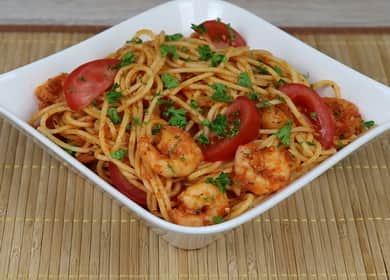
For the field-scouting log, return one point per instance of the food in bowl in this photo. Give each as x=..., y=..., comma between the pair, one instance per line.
x=196, y=129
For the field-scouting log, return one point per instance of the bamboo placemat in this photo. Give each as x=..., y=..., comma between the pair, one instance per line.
x=55, y=225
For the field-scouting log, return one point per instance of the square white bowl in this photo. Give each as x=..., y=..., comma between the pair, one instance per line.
x=372, y=98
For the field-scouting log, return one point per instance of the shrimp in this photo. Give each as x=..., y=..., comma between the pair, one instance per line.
x=176, y=155
x=261, y=170
x=273, y=118
x=51, y=91
x=199, y=204
x=346, y=115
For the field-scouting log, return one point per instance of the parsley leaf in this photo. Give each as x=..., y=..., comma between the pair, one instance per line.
x=253, y=96
x=119, y=154
x=126, y=59
x=262, y=70
x=174, y=37
x=135, y=40
x=156, y=129
x=203, y=139
x=113, y=95
x=244, y=80
x=279, y=83
x=222, y=181
x=112, y=113
x=217, y=59
x=265, y=103
x=219, y=125
x=220, y=93
x=194, y=104
x=198, y=28
x=218, y=219
x=135, y=121
x=169, y=51
x=284, y=133
x=177, y=117
x=368, y=124
x=72, y=153
x=169, y=81
x=277, y=70
x=163, y=100
x=236, y=127
x=313, y=115
x=205, y=53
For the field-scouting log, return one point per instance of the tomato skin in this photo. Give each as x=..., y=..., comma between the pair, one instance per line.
x=249, y=130
x=309, y=99
x=218, y=34
x=88, y=81
x=121, y=184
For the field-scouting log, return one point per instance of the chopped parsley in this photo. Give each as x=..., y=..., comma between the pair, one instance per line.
x=222, y=181
x=219, y=125
x=112, y=113
x=135, y=40
x=135, y=121
x=126, y=59
x=253, y=96
x=236, y=127
x=284, y=133
x=217, y=59
x=177, y=117
x=198, y=28
x=163, y=100
x=218, y=219
x=194, y=104
x=262, y=70
x=313, y=115
x=265, y=103
x=220, y=93
x=203, y=139
x=368, y=124
x=174, y=37
x=156, y=129
x=169, y=51
x=72, y=153
x=113, y=95
x=279, y=83
x=119, y=154
x=205, y=53
x=169, y=81
x=244, y=80
x=277, y=70
x=232, y=35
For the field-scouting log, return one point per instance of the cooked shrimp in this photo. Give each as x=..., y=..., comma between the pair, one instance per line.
x=176, y=155
x=273, y=118
x=347, y=117
x=199, y=204
x=50, y=92
x=261, y=170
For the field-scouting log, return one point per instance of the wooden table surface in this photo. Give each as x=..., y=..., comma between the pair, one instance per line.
x=302, y=13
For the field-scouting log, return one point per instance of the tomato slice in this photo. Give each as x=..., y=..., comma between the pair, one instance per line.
x=88, y=81
x=121, y=183
x=220, y=34
x=249, y=130
x=310, y=100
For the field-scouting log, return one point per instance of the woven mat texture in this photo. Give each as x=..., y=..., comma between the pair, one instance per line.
x=56, y=225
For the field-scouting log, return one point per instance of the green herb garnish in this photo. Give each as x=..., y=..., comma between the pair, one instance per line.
x=253, y=96
x=220, y=93
x=244, y=80
x=203, y=139
x=217, y=59
x=368, y=124
x=218, y=219
x=279, y=83
x=156, y=129
x=174, y=37
x=119, y=154
x=126, y=59
x=205, y=53
x=113, y=95
x=169, y=81
x=177, y=117
x=277, y=70
x=284, y=133
x=222, y=181
x=169, y=51
x=198, y=28
x=112, y=113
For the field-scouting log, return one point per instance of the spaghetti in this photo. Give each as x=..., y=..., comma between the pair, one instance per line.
x=162, y=131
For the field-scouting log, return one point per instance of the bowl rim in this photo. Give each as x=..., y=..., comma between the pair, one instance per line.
x=145, y=214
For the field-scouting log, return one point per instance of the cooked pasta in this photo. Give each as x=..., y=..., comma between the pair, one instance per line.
x=195, y=134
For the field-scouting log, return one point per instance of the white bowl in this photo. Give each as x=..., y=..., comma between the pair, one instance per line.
x=17, y=101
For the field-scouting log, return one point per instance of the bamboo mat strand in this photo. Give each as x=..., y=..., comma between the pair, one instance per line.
x=56, y=225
